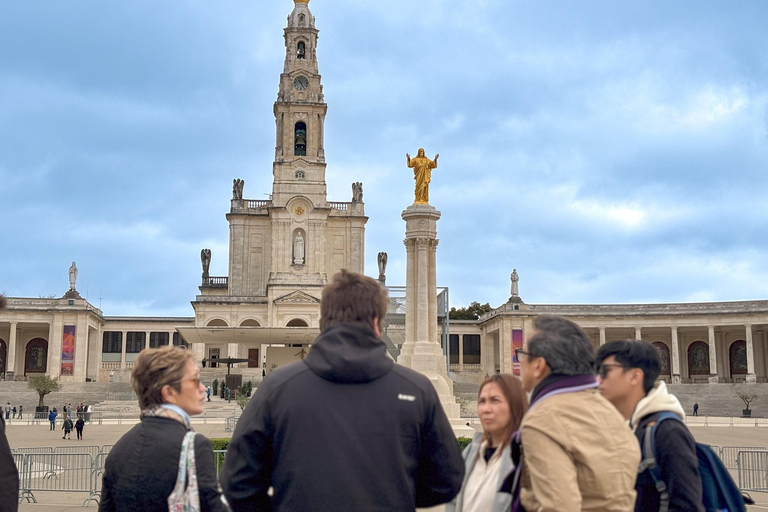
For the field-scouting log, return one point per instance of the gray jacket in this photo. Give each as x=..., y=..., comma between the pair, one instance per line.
x=502, y=502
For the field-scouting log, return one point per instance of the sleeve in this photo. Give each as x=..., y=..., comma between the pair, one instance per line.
x=207, y=481
x=553, y=477
x=440, y=470
x=676, y=456
x=9, y=475
x=247, y=473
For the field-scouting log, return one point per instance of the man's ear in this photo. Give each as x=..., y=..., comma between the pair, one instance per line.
x=375, y=327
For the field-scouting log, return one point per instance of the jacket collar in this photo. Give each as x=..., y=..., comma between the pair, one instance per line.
x=556, y=384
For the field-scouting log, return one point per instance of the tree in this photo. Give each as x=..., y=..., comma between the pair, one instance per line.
x=215, y=387
x=242, y=400
x=3, y=302
x=471, y=312
x=746, y=397
x=44, y=385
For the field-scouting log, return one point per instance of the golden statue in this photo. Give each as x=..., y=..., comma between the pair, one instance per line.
x=422, y=173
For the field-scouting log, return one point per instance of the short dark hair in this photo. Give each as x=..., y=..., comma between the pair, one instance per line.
x=352, y=298
x=563, y=344
x=634, y=354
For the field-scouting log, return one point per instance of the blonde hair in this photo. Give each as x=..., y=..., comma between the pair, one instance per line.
x=156, y=368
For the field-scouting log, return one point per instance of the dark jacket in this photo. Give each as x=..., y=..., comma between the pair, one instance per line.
x=679, y=465
x=346, y=429
x=9, y=476
x=141, y=469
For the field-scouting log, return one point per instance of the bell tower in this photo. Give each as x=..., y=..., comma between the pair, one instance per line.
x=300, y=109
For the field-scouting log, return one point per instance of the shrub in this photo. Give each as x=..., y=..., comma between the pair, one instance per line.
x=463, y=442
x=215, y=387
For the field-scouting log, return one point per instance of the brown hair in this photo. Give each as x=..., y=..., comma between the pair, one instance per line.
x=512, y=389
x=156, y=368
x=352, y=298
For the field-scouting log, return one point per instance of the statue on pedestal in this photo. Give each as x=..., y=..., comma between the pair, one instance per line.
x=357, y=192
x=422, y=174
x=237, y=189
x=205, y=259
x=298, y=249
x=382, y=260
x=72, y=276
x=514, y=277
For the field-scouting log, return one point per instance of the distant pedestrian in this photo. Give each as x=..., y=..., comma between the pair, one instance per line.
x=696, y=409
x=20, y=411
x=229, y=393
x=264, y=361
x=208, y=393
x=14, y=412
x=52, y=418
x=8, y=411
x=112, y=375
x=88, y=411
x=67, y=427
x=79, y=427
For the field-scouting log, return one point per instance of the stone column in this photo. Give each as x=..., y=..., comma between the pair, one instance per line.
x=638, y=333
x=751, y=377
x=410, y=302
x=602, y=336
x=10, y=366
x=423, y=292
x=461, y=349
x=54, y=346
x=122, y=350
x=712, y=354
x=433, y=336
x=675, y=357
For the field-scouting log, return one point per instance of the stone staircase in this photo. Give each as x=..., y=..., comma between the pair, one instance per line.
x=721, y=399
x=18, y=393
x=466, y=396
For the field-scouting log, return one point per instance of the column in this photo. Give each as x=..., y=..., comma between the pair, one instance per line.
x=712, y=354
x=675, y=357
x=461, y=349
x=410, y=291
x=422, y=326
x=431, y=290
x=122, y=350
x=10, y=373
x=602, y=336
x=638, y=333
x=751, y=377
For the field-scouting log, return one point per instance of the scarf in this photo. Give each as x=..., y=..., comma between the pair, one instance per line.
x=169, y=411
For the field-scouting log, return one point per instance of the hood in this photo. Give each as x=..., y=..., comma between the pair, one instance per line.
x=658, y=399
x=348, y=354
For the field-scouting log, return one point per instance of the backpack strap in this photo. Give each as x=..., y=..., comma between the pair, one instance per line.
x=649, y=458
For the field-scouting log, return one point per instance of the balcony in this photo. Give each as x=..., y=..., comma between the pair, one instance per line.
x=215, y=282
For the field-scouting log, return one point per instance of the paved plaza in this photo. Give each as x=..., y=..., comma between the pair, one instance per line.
x=40, y=436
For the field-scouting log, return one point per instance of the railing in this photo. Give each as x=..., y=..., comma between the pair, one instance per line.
x=218, y=460
x=339, y=206
x=729, y=454
x=752, y=468
x=253, y=204
x=466, y=367
x=120, y=418
x=123, y=396
x=60, y=472
x=111, y=365
x=215, y=282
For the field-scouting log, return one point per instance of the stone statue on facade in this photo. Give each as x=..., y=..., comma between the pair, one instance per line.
x=205, y=259
x=382, y=260
x=298, y=249
x=357, y=192
x=422, y=174
x=237, y=189
x=72, y=276
x=514, y=277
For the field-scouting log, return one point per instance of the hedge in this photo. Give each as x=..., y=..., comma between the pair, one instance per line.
x=221, y=443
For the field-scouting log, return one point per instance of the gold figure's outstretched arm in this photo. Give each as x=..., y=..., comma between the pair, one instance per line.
x=408, y=157
x=436, y=157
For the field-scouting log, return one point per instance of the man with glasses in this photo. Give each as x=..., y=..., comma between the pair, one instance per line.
x=627, y=373
x=578, y=454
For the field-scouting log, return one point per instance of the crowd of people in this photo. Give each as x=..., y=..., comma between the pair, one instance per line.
x=347, y=429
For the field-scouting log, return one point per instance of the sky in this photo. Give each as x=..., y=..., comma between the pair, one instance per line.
x=611, y=152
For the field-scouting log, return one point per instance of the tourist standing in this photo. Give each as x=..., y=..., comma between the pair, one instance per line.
x=20, y=410
x=208, y=392
x=8, y=411
x=52, y=418
x=696, y=409
x=141, y=469
x=79, y=424
x=14, y=412
x=628, y=371
x=67, y=427
x=492, y=459
x=112, y=375
x=579, y=454
x=344, y=429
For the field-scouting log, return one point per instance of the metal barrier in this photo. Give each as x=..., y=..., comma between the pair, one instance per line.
x=93, y=450
x=63, y=472
x=40, y=449
x=752, y=467
x=107, y=448
x=218, y=459
x=728, y=454
x=97, y=477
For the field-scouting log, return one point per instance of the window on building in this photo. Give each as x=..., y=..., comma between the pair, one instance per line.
x=300, y=139
x=301, y=48
x=112, y=342
x=178, y=341
x=299, y=175
x=453, y=346
x=158, y=339
x=471, y=349
x=135, y=342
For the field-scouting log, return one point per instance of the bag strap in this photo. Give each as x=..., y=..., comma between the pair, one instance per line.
x=181, y=477
x=649, y=458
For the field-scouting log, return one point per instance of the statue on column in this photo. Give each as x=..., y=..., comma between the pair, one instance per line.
x=237, y=189
x=72, y=276
x=422, y=174
x=514, y=277
x=205, y=259
x=382, y=260
x=298, y=249
x=357, y=192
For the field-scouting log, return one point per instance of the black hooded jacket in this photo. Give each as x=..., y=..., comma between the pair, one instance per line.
x=346, y=429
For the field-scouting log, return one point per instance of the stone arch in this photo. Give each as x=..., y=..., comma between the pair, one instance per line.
x=3, y=355
x=250, y=322
x=36, y=356
x=300, y=138
x=698, y=359
x=297, y=322
x=664, y=356
x=737, y=357
x=301, y=46
x=217, y=322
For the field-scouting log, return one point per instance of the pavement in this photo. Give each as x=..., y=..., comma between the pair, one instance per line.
x=40, y=435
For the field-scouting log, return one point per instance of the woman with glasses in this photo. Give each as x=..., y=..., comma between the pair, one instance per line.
x=492, y=458
x=142, y=467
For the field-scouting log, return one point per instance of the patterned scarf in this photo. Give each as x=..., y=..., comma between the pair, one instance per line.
x=168, y=411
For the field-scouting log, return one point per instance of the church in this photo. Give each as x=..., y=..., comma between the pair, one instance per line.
x=284, y=249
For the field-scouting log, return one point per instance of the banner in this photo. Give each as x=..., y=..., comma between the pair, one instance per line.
x=68, y=350
x=517, y=342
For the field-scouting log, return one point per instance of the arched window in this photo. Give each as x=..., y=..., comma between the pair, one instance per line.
x=300, y=139
x=301, y=50
x=250, y=322
x=663, y=350
x=36, y=357
x=297, y=322
x=299, y=175
x=217, y=322
x=737, y=357
x=698, y=359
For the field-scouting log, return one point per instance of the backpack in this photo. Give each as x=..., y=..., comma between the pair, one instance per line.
x=720, y=491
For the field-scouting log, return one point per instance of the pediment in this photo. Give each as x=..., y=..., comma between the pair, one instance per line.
x=297, y=297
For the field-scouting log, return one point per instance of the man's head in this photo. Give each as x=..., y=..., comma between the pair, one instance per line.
x=556, y=346
x=627, y=371
x=352, y=298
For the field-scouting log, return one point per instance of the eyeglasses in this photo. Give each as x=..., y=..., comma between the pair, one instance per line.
x=195, y=380
x=519, y=351
x=602, y=369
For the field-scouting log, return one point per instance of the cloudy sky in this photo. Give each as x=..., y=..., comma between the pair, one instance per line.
x=610, y=151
